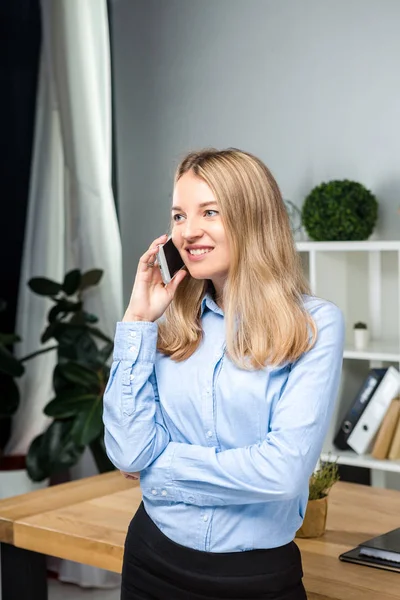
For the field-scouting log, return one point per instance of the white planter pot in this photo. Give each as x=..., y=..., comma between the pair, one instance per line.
x=361, y=338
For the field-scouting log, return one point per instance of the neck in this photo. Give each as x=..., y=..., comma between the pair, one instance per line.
x=218, y=294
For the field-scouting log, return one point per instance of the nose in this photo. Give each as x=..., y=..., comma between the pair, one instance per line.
x=191, y=230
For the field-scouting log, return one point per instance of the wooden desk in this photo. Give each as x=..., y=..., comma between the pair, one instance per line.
x=355, y=513
x=86, y=521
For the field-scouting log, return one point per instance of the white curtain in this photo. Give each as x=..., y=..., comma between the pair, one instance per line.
x=71, y=221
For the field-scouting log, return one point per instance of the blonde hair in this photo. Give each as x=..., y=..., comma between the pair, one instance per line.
x=266, y=322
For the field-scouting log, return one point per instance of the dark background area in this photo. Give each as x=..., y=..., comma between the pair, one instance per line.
x=20, y=40
x=20, y=37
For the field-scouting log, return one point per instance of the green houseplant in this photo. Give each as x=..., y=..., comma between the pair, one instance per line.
x=79, y=378
x=320, y=484
x=339, y=210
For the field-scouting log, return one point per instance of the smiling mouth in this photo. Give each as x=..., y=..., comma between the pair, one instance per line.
x=198, y=251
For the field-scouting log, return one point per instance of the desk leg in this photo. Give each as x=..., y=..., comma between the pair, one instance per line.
x=23, y=574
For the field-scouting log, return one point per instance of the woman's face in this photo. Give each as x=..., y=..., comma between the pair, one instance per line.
x=198, y=231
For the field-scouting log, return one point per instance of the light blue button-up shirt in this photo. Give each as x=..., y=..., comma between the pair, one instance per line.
x=225, y=454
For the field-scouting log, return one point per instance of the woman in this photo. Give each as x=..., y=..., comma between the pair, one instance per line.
x=223, y=404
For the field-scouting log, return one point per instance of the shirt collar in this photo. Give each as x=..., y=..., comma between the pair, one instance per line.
x=209, y=303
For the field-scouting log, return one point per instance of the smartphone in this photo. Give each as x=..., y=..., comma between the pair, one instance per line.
x=169, y=260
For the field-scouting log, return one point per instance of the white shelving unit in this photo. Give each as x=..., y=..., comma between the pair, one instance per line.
x=363, y=279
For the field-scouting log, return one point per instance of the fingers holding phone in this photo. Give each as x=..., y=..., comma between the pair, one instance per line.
x=151, y=295
x=148, y=260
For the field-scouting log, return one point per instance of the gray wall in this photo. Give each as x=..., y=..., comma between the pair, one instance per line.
x=311, y=86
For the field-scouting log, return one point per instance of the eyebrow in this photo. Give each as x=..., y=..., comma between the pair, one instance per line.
x=202, y=205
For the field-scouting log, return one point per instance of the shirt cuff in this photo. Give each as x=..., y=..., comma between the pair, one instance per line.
x=162, y=481
x=136, y=341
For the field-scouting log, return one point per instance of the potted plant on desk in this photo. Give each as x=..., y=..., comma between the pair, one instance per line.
x=320, y=484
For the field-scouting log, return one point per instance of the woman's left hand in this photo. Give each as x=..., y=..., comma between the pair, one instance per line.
x=130, y=475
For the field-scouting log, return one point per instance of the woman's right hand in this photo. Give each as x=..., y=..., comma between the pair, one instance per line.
x=150, y=297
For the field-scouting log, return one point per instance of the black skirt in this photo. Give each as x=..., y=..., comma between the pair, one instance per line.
x=156, y=568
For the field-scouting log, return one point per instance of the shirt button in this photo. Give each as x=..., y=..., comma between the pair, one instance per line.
x=131, y=377
x=132, y=348
x=154, y=492
x=163, y=493
x=205, y=518
x=191, y=498
x=133, y=334
x=209, y=433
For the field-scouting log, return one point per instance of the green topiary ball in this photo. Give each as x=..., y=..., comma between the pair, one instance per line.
x=338, y=211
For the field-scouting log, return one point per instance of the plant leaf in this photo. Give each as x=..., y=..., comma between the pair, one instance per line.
x=9, y=396
x=86, y=350
x=83, y=376
x=72, y=282
x=60, y=382
x=89, y=318
x=44, y=286
x=77, y=318
x=67, y=334
x=69, y=390
x=63, y=306
x=68, y=405
x=9, y=364
x=49, y=332
x=37, y=465
x=106, y=351
x=88, y=424
x=90, y=278
x=77, y=344
x=54, y=451
x=82, y=317
x=6, y=339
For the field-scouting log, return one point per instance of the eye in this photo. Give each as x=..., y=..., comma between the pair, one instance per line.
x=211, y=213
x=177, y=218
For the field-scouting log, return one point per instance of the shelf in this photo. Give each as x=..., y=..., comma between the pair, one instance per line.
x=363, y=279
x=348, y=457
x=377, y=350
x=349, y=246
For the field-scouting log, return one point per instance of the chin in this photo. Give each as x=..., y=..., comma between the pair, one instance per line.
x=200, y=276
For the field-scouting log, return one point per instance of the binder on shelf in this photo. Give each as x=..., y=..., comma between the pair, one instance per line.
x=394, y=450
x=358, y=406
x=386, y=431
x=382, y=552
x=363, y=434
